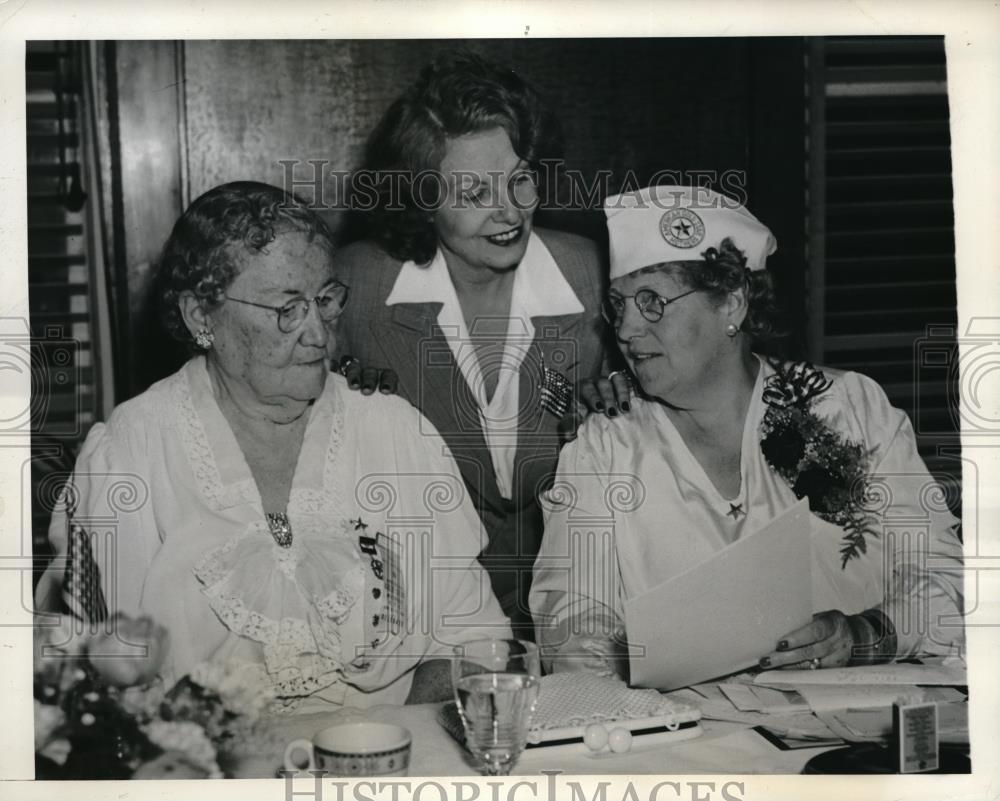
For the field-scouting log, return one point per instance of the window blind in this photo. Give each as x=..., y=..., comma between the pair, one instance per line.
x=65, y=392
x=882, y=263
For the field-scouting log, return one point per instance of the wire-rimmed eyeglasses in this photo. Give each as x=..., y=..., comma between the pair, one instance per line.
x=649, y=303
x=329, y=302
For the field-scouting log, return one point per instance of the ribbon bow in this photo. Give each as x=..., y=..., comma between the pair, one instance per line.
x=796, y=386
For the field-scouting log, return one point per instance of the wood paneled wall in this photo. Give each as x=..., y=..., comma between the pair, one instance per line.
x=237, y=109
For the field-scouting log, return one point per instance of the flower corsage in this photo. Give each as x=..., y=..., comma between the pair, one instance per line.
x=817, y=462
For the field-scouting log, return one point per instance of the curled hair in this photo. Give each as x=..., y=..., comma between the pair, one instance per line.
x=459, y=93
x=206, y=247
x=724, y=270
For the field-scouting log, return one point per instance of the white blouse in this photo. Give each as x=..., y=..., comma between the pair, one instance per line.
x=631, y=507
x=381, y=572
x=540, y=289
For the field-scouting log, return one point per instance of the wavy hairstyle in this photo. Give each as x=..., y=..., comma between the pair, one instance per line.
x=208, y=243
x=458, y=93
x=724, y=270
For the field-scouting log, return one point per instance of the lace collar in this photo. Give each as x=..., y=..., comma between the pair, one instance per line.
x=222, y=474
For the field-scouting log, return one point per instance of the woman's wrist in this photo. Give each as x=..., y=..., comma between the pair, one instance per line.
x=874, y=638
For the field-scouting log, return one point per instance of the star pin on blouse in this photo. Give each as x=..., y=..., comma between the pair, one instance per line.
x=736, y=511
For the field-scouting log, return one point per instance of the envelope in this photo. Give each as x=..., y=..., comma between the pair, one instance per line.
x=722, y=615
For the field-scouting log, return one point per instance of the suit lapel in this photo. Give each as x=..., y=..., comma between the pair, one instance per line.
x=554, y=346
x=431, y=380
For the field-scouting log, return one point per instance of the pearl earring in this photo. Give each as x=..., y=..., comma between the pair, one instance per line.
x=204, y=339
x=732, y=330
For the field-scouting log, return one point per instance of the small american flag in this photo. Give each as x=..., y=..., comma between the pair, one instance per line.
x=82, y=578
x=395, y=589
x=557, y=392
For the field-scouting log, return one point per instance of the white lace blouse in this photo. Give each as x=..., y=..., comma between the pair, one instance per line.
x=381, y=572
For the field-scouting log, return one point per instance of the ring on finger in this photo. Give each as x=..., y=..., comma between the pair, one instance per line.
x=613, y=373
x=814, y=663
x=346, y=363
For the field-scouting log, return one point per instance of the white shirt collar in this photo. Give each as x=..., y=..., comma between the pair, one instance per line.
x=540, y=288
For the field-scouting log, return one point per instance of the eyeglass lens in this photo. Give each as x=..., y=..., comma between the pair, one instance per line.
x=649, y=304
x=328, y=305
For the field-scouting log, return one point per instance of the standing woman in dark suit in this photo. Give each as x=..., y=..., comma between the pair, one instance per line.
x=488, y=321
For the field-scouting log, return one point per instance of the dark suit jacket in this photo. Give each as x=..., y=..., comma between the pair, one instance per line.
x=406, y=338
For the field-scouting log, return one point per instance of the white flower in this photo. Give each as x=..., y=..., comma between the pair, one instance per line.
x=62, y=632
x=186, y=737
x=242, y=686
x=209, y=675
x=48, y=718
x=57, y=750
x=143, y=702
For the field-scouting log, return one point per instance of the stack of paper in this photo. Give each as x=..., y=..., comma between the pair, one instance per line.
x=805, y=707
x=715, y=706
x=873, y=725
x=749, y=698
x=947, y=673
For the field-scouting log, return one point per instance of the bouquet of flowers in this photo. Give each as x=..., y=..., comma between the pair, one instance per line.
x=102, y=713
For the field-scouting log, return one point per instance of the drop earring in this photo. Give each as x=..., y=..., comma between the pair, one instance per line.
x=732, y=330
x=204, y=339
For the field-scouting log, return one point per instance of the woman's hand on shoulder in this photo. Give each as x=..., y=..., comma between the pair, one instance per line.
x=609, y=395
x=368, y=379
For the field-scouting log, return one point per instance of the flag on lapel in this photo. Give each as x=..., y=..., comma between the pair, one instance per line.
x=557, y=392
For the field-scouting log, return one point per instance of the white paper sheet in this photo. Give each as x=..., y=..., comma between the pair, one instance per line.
x=749, y=698
x=724, y=614
x=860, y=725
x=948, y=673
x=796, y=724
x=829, y=697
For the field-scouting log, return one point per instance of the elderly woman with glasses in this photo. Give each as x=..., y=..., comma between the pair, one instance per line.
x=720, y=441
x=276, y=524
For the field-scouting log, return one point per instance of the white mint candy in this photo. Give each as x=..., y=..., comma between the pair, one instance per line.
x=620, y=740
x=595, y=737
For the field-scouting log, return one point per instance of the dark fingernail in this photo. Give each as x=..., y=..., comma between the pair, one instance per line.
x=385, y=389
x=765, y=661
x=354, y=384
x=612, y=412
x=626, y=406
x=783, y=645
x=599, y=406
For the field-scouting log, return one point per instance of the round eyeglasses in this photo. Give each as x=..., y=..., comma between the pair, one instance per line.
x=649, y=303
x=329, y=302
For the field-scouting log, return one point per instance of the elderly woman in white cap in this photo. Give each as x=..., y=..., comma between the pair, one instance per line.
x=720, y=441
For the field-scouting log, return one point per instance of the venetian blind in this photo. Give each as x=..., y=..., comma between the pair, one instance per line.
x=882, y=263
x=61, y=290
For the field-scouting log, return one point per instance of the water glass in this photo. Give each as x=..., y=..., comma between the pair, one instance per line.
x=496, y=687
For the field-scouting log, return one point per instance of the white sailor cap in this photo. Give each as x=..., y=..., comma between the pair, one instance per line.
x=661, y=224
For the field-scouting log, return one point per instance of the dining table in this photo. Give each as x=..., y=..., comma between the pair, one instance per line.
x=720, y=747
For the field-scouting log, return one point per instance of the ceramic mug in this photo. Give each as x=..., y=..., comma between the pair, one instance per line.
x=361, y=748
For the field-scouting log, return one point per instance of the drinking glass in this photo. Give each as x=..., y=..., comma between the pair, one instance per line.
x=496, y=687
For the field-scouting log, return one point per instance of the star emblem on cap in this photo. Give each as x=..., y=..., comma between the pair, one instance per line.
x=681, y=229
